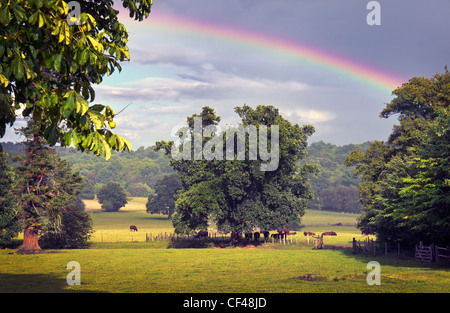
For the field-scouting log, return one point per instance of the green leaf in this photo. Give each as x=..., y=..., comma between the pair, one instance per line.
x=41, y=20
x=57, y=61
x=64, y=34
x=3, y=80
x=56, y=29
x=83, y=57
x=76, y=139
x=17, y=68
x=88, y=141
x=123, y=143
x=82, y=105
x=128, y=144
x=96, y=118
x=70, y=103
x=5, y=15
x=97, y=46
x=33, y=18
x=67, y=138
x=112, y=140
x=97, y=107
x=51, y=134
x=18, y=11
x=106, y=147
x=38, y=3
x=120, y=142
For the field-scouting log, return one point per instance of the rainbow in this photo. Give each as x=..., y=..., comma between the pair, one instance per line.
x=309, y=55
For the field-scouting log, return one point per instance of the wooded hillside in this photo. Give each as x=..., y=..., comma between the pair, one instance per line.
x=335, y=187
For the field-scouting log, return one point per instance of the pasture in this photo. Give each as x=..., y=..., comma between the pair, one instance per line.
x=114, y=263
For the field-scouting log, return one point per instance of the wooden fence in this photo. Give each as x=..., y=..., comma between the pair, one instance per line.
x=424, y=253
x=421, y=252
x=442, y=253
x=373, y=247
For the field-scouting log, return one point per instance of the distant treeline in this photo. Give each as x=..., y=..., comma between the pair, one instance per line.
x=136, y=171
x=335, y=187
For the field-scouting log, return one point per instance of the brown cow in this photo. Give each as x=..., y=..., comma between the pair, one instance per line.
x=328, y=233
x=133, y=228
x=308, y=233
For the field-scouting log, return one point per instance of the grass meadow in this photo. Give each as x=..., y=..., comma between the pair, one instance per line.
x=122, y=261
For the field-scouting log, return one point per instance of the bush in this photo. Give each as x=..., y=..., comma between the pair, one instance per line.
x=112, y=197
x=76, y=229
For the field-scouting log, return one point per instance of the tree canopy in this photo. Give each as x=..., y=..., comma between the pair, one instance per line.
x=405, y=181
x=50, y=62
x=163, y=199
x=112, y=197
x=236, y=194
x=9, y=221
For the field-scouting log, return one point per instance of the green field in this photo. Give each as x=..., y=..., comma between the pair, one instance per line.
x=115, y=263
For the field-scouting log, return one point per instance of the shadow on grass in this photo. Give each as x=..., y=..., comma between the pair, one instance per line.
x=210, y=243
x=35, y=283
x=394, y=260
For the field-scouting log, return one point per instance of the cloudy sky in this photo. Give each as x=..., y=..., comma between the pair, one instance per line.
x=315, y=60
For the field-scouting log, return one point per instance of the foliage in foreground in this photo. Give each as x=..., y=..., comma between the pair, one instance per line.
x=49, y=63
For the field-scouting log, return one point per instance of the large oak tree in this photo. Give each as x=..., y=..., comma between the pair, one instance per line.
x=233, y=193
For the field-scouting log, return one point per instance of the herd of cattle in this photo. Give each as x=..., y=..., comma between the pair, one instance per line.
x=280, y=235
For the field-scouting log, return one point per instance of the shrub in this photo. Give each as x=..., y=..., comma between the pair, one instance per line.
x=112, y=197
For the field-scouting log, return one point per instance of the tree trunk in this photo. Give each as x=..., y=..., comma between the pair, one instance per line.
x=30, y=241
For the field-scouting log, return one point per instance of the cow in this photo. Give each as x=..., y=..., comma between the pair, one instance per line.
x=328, y=233
x=201, y=234
x=133, y=228
x=308, y=233
x=248, y=236
x=266, y=235
x=256, y=235
x=275, y=236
